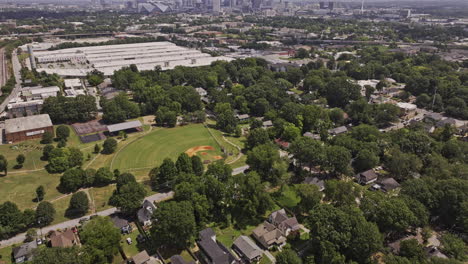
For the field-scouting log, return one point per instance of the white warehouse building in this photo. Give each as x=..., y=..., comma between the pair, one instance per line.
x=110, y=58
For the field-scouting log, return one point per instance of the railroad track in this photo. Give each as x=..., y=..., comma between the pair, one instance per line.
x=3, y=69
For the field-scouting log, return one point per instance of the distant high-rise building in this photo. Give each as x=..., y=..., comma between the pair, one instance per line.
x=322, y=5
x=331, y=5
x=216, y=6
x=256, y=3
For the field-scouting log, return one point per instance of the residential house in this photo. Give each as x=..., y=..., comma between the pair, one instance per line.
x=24, y=252
x=212, y=251
x=432, y=116
x=433, y=251
x=178, y=259
x=268, y=235
x=247, y=249
x=452, y=122
x=63, y=239
x=140, y=258
x=315, y=181
x=283, y=144
x=202, y=92
x=242, y=118
x=121, y=224
x=312, y=135
x=283, y=222
x=338, y=130
x=388, y=184
x=267, y=124
x=146, y=213
x=366, y=177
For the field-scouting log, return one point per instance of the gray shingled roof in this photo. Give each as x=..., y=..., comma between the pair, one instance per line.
x=27, y=123
x=247, y=247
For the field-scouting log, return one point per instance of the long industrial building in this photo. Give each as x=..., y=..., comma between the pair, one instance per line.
x=107, y=59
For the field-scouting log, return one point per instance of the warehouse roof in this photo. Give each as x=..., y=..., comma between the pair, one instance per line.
x=27, y=123
x=124, y=126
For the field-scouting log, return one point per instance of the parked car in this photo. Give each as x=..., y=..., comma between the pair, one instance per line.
x=39, y=241
x=129, y=241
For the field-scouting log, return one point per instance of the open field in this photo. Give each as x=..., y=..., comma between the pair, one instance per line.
x=137, y=154
x=153, y=148
x=21, y=188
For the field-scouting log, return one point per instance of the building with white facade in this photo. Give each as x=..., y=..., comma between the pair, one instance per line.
x=107, y=59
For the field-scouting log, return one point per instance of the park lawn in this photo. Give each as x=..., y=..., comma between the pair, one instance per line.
x=151, y=149
x=100, y=196
x=20, y=188
x=287, y=196
x=5, y=254
x=61, y=206
x=31, y=149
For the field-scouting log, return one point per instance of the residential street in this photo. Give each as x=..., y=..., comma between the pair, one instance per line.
x=71, y=223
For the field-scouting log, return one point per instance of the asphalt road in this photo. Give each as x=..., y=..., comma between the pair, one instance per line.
x=71, y=223
x=17, y=72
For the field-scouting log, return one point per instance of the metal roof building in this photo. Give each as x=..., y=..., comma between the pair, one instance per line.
x=110, y=58
x=124, y=126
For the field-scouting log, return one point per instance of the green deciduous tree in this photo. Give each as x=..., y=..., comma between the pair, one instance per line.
x=103, y=177
x=59, y=255
x=365, y=160
x=45, y=213
x=257, y=136
x=310, y=197
x=175, y=224
x=72, y=180
x=79, y=204
x=288, y=256
x=40, y=193
x=197, y=165
x=454, y=247
x=128, y=198
x=20, y=159
x=219, y=170
x=337, y=160
x=102, y=237
x=109, y=146
x=412, y=250
x=164, y=175
x=47, y=137
x=62, y=132
x=184, y=163
x=3, y=164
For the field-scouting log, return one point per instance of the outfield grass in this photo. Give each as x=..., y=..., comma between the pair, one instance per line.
x=150, y=150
